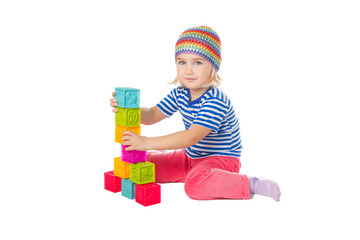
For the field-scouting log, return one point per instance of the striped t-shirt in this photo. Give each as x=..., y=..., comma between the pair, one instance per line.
x=212, y=110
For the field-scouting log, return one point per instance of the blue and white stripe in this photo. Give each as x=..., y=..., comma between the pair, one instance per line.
x=212, y=110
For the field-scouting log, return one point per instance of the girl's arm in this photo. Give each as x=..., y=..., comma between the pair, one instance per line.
x=149, y=116
x=178, y=140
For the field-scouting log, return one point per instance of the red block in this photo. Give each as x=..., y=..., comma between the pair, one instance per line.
x=112, y=182
x=148, y=194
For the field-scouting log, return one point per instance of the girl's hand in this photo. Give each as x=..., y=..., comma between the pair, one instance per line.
x=134, y=141
x=113, y=103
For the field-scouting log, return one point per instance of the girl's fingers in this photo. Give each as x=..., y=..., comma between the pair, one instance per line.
x=128, y=133
x=126, y=143
x=115, y=110
x=126, y=137
x=113, y=93
x=129, y=148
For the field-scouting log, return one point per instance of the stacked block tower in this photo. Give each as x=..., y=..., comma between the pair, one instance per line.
x=133, y=176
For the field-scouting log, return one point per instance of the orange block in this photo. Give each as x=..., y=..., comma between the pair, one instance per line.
x=120, y=129
x=121, y=168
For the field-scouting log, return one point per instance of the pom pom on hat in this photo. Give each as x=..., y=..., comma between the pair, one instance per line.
x=202, y=41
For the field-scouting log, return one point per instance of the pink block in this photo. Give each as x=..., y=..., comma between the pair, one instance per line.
x=112, y=182
x=132, y=156
x=148, y=194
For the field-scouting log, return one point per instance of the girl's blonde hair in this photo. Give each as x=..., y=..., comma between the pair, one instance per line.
x=214, y=80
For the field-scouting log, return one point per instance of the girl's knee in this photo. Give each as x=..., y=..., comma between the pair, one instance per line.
x=195, y=183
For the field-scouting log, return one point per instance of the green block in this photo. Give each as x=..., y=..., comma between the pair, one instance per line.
x=128, y=117
x=142, y=173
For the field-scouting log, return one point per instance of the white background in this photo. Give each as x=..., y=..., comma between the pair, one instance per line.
x=290, y=67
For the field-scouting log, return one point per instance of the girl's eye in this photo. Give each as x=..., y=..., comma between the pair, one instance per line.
x=198, y=63
x=181, y=62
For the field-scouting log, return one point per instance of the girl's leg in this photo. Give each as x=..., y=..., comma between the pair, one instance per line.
x=170, y=166
x=215, y=178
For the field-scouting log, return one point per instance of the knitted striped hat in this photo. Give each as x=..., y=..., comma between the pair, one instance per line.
x=202, y=41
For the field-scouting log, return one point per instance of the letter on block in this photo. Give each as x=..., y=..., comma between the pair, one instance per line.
x=112, y=182
x=119, y=132
x=128, y=188
x=142, y=173
x=128, y=117
x=127, y=97
x=133, y=156
x=121, y=168
x=148, y=194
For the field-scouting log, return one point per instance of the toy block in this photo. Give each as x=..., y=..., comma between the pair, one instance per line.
x=128, y=117
x=112, y=182
x=121, y=168
x=148, y=194
x=127, y=97
x=119, y=130
x=128, y=188
x=142, y=173
x=132, y=156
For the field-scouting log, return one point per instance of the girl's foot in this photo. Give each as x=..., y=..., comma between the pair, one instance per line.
x=264, y=187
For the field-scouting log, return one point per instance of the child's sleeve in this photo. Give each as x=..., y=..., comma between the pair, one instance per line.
x=212, y=113
x=169, y=105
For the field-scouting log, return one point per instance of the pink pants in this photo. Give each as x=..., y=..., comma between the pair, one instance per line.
x=207, y=178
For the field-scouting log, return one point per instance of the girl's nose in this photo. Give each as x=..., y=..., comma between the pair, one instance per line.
x=188, y=69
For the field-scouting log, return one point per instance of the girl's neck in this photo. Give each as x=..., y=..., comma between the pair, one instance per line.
x=196, y=93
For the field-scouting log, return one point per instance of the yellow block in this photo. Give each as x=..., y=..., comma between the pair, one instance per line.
x=121, y=168
x=120, y=129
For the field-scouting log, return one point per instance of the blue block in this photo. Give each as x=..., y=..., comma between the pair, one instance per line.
x=128, y=188
x=127, y=97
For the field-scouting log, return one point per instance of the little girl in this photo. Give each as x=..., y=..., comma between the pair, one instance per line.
x=205, y=156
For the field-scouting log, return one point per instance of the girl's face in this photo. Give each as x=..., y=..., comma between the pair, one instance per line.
x=193, y=71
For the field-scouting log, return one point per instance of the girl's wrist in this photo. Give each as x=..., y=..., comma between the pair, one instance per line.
x=147, y=143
